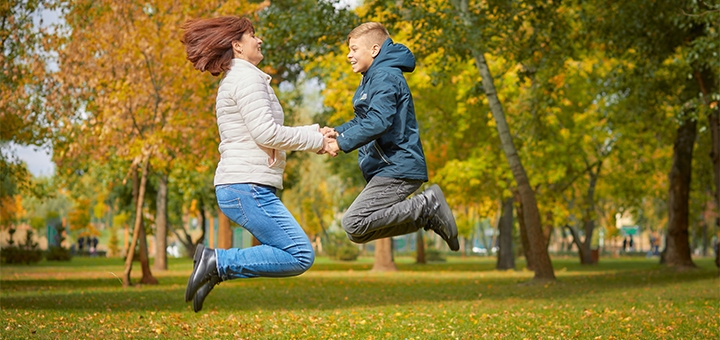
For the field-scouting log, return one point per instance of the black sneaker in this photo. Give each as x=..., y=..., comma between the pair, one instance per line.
x=441, y=219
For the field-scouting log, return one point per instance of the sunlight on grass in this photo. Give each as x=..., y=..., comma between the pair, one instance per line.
x=464, y=298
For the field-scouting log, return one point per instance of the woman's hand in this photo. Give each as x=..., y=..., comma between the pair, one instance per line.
x=330, y=146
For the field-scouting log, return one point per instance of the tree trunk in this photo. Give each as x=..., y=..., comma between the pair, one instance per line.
x=506, y=256
x=707, y=84
x=202, y=220
x=384, y=261
x=543, y=266
x=147, y=277
x=589, y=214
x=126, y=237
x=548, y=230
x=538, y=250
x=524, y=241
x=185, y=238
x=584, y=247
x=212, y=237
x=714, y=117
x=318, y=244
x=161, y=227
x=704, y=237
x=224, y=231
x=139, y=199
x=420, y=246
x=677, y=246
x=577, y=242
x=318, y=238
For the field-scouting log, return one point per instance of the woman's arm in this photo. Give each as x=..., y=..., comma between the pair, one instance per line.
x=254, y=101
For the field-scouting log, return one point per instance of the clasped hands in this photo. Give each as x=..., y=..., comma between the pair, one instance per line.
x=330, y=145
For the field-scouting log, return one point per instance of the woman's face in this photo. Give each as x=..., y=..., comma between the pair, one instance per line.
x=248, y=48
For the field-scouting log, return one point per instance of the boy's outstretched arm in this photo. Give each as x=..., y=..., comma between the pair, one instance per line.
x=378, y=118
x=376, y=109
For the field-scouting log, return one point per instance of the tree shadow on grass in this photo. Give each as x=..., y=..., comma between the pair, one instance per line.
x=331, y=290
x=51, y=285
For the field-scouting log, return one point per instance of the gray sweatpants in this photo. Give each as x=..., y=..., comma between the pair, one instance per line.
x=383, y=210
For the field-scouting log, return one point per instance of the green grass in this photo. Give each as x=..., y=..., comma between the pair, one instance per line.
x=624, y=298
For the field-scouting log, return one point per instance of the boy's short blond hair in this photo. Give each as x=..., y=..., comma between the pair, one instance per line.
x=375, y=32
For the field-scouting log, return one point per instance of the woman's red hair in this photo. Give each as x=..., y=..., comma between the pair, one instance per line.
x=208, y=42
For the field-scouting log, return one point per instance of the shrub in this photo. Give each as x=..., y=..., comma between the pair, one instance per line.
x=434, y=255
x=347, y=252
x=58, y=254
x=15, y=255
x=22, y=253
x=340, y=248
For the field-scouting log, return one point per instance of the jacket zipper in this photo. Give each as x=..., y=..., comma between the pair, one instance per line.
x=380, y=153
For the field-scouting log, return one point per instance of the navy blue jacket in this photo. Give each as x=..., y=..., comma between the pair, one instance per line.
x=384, y=128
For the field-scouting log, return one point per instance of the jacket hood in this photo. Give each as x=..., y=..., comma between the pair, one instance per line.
x=393, y=55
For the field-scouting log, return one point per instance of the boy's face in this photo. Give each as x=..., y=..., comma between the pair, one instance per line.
x=362, y=53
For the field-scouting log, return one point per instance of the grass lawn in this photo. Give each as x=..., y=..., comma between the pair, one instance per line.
x=623, y=298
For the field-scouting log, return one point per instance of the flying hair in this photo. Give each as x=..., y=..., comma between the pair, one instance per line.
x=208, y=42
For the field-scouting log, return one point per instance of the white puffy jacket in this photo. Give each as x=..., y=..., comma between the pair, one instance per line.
x=253, y=139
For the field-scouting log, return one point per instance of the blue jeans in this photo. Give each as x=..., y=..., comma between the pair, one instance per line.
x=285, y=249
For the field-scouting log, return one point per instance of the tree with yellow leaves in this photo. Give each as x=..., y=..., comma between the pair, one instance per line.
x=124, y=89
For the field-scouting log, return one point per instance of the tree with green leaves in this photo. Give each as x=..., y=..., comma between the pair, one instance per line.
x=673, y=66
x=477, y=29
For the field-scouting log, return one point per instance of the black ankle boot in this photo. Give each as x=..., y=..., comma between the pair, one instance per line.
x=203, y=292
x=205, y=269
x=440, y=217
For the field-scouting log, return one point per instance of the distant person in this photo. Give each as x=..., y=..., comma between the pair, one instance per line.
x=385, y=132
x=625, y=244
x=656, y=246
x=253, y=142
x=652, y=246
x=93, y=249
x=652, y=243
x=81, y=243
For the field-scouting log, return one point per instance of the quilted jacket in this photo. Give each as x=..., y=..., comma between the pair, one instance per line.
x=253, y=139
